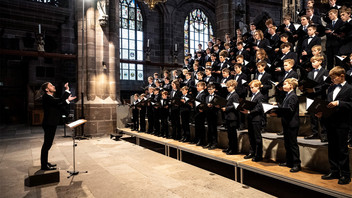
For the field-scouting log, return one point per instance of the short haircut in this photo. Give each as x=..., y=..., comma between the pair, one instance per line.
x=208, y=68
x=151, y=88
x=240, y=56
x=317, y=58
x=290, y=61
x=150, y=78
x=184, y=88
x=213, y=54
x=208, y=64
x=284, y=35
x=312, y=26
x=156, y=74
x=255, y=83
x=166, y=78
x=239, y=43
x=335, y=11
x=211, y=86
x=287, y=17
x=292, y=81
x=260, y=34
x=310, y=8
x=201, y=83
x=142, y=95
x=216, y=45
x=44, y=86
x=262, y=63
x=156, y=89
x=238, y=65
x=226, y=70
x=164, y=93
x=224, y=53
x=201, y=73
x=317, y=47
x=283, y=45
x=227, y=44
x=189, y=73
x=346, y=9
x=136, y=94
x=231, y=83
x=269, y=22
x=337, y=71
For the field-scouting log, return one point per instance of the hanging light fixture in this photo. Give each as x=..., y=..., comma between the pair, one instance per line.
x=151, y=3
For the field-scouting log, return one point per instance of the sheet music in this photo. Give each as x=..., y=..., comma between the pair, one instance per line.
x=223, y=85
x=309, y=102
x=268, y=64
x=325, y=77
x=235, y=104
x=197, y=103
x=268, y=107
x=243, y=81
x=340, y=57
x=76, y=123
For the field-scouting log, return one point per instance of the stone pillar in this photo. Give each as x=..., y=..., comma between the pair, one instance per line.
x=224, y=19
x=97, y=81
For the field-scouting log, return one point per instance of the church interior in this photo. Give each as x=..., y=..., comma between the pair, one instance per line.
x=113, y=52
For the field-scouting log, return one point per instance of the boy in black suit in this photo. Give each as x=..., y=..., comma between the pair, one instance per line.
x=264, y=78
x=142, y=111
x=52, y=113
x=164, y=114
x=212, y=115
x=337, y=124
x=290, y=124
x=319, y=91
x=156, y=111
x=208, y=77
x=175, y=110
x=309, y=42
x=255, y=119
x=199, y=116
x=289, y=73
x=241, y=89
x=231, y=118
x=150, y=116
x=185, y=110
x=135, y=112
x=225, y=77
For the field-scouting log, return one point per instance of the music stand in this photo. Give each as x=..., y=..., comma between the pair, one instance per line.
x=73, y=125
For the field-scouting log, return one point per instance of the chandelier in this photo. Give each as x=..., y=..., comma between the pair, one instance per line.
x=151, y=3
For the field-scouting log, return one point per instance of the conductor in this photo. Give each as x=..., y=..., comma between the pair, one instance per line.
x=52, y=112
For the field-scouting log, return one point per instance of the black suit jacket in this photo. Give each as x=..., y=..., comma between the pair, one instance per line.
x=231, y=113
x=340, y=118
x=244, y=53
x=241, y=88
x=319, y=90
x=291, y=118
x=53, y=108
x=201, y=98
x=209, y=79
x=265, y=80
x=257, y=114
x=291, y=74
x=331, y=39
x=308, y=47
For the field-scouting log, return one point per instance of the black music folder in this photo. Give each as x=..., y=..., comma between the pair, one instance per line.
x=318, y=105
x=308, y=83
x=218, y=100
x=245, y=104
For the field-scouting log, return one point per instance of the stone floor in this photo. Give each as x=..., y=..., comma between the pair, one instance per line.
x=115, y=169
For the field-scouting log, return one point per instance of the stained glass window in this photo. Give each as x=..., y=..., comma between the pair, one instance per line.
x=197, y=30
x=131, y=40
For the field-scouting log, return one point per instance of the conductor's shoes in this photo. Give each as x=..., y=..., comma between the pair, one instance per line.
x=295, y=169
x=344, y=180
x=249, y=156
x=313, y=136
x=47, y=168
x=51, y=165
x=330, y=176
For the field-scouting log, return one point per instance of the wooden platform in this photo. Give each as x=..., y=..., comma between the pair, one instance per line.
x=305, y=178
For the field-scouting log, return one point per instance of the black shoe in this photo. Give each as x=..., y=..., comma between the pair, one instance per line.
x=295, y=169
x=225, y=150
x=280, y=133
x=199, y=143
x=51, y=165
x=344, y=180
x=231, y=152
x=47, y=168
x=207, y=146
x=324, y=140
x=285, y=164
x=310, y=137
x=212, y=147
x=331, y=175
x=257, y=159
x=249, y=156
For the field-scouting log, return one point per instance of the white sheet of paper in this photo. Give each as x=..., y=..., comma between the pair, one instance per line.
x=77, y=122
x=308, y=103
x=223, y=85
x=186, y=99
x=243, y=81
x=325, y=77
x=268, y=107
x=268, y=64
x=245, y=62
x=339, y=57
x=197, y=103
x=235, y=104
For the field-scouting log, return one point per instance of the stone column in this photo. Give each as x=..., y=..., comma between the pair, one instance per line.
x=96, y=80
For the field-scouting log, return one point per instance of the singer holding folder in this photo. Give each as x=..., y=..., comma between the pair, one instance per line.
x=52, y=112
x=337, y=124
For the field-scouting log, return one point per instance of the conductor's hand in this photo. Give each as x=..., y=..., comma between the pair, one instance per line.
x=245, y=111
x=333, y=104
x=223, y=109
x=66, y=86
x=70, y=98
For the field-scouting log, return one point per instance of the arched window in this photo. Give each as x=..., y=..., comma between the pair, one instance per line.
x=131, y=40
x=198, y=30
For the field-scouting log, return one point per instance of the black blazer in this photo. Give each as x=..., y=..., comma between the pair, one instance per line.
x=201, y=98
x=241, y=88
x=331, y=39
x=257, y=114
x=308, y=47
x=244, y=53
x=279, y=61
x=209, y=79
x=291, y=74
x=320, y=90
x=265, y=80
x=340, y=118
x=290, y=119
x=53, y=108
x=231, y=113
